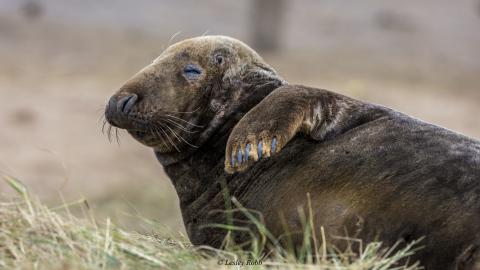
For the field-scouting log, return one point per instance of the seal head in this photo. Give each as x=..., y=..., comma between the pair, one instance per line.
x=177, y=102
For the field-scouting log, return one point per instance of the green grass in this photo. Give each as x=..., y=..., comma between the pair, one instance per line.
x=35, y=236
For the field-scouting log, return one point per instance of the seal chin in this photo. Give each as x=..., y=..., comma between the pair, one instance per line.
x=151, y=139
x=147, y=138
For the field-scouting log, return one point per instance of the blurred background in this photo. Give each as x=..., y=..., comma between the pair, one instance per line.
x=61, y=60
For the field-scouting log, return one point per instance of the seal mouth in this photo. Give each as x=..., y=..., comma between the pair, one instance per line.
x=162, y=131
x=138, y=133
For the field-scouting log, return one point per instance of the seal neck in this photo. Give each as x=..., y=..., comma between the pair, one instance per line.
x=222, y=127
x=194, y=170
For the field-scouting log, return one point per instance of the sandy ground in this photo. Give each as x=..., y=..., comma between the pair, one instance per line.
x=55, y=79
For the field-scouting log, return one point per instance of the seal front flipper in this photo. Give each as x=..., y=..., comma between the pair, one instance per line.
x=273, y=122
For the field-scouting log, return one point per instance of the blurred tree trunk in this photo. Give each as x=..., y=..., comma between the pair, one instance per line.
x=478, y=8
x=267, y=18
x=32, y=10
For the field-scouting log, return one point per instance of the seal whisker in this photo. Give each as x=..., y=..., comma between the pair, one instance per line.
x=173, y=37
x=101, y=116
x=164, y=47
x=178, y=135
x=174, y=122
x=173, y=132
x=116, y=136
x=168, y=137
x=109, y=133
x=179, y=125
x=103, y=125
x=156, y=132
x=181, y=111
x=183, y=120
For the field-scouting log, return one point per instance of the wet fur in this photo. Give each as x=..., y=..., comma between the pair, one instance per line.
x=371, y=172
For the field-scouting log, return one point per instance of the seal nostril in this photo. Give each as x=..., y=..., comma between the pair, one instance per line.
x=125, y=104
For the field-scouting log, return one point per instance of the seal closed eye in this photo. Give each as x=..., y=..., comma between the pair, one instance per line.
x=192, y=71
x=219, y=118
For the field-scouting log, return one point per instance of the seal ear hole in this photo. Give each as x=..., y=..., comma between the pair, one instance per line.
x=219, y=59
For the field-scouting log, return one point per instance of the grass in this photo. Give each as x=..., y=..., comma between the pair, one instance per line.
x=35, y=236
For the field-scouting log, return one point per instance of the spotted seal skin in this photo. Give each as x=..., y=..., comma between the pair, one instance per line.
x=223, y=123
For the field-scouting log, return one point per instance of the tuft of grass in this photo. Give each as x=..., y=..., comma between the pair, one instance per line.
x=35, y=236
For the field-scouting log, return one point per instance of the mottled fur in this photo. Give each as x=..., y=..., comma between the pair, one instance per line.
x=371, y=172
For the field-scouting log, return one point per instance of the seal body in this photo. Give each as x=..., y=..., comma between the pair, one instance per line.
x=359, y=170
x=387, y=178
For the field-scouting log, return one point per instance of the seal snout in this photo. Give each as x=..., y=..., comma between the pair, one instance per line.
x=118, y=109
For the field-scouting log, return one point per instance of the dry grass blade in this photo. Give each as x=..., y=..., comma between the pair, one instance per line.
x=34, y=236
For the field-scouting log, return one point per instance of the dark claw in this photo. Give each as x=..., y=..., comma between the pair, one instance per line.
x=232, y=160
x=247, y=151
x=239, y=156
x=260, y=148
x=274, y=145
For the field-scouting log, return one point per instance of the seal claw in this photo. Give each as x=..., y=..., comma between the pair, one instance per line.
x=239, y=156
x=232, y=160
x=260, y=148
x=247, y=152
x=274, y=145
